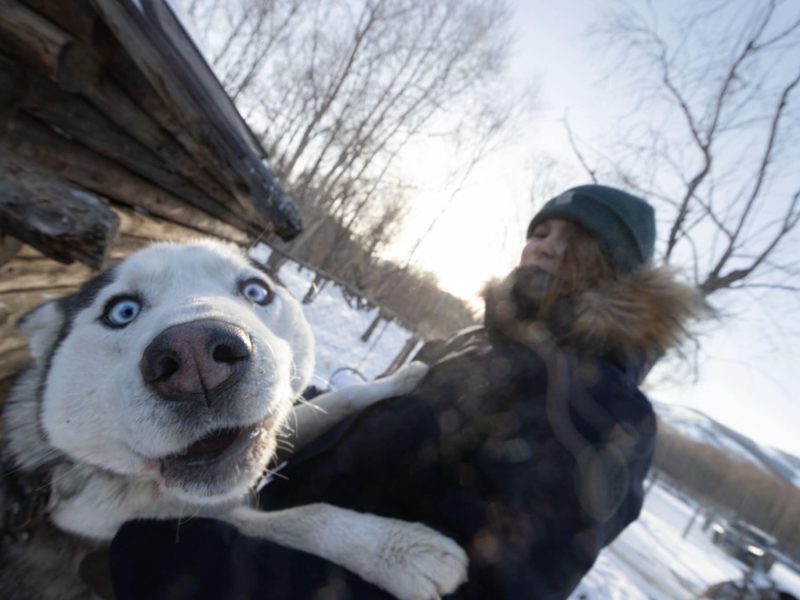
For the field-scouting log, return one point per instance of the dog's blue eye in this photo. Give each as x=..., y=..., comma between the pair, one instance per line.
x=256, y=291
x=122, y=311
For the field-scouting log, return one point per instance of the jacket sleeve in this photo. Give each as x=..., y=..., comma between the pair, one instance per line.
x=206, y=559
x=612, y=468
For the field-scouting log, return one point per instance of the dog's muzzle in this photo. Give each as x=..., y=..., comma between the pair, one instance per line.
x=196, y=361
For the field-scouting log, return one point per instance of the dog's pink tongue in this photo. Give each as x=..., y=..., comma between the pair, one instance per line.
x=217, y=441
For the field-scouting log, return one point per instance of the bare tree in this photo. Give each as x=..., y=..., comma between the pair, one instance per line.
x=713, y=136
x=339, y=88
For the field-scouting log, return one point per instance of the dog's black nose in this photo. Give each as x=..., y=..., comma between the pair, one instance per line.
x=196, y=361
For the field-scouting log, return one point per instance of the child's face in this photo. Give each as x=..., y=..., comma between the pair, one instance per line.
x=547, y=247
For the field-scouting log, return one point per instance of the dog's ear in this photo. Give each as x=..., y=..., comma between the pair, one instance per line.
x=42, y=325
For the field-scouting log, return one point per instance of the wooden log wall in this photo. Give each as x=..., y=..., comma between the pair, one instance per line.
x=102, y=152
x=64, y=112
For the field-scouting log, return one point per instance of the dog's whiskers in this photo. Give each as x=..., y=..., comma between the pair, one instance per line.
x=325, y=382
x=46, y=456
x=53, y=480
x=285, y=437
x=309, y=403
x=274, y=473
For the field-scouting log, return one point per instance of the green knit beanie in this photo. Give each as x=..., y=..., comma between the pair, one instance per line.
x=624, y=224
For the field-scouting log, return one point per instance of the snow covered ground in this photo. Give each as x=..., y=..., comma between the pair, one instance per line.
x=338, y=330
x=650, y=560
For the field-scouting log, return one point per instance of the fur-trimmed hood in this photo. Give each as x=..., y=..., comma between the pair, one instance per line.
x=644, y=313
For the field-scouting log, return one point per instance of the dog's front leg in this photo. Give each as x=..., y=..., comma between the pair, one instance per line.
x=315, y=418
x=409, y=560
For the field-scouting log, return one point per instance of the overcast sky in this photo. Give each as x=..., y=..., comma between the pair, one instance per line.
x=746, y=370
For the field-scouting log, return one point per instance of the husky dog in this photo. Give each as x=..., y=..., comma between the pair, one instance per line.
x=158, y=391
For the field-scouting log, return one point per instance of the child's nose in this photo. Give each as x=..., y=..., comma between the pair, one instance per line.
x=546, y=247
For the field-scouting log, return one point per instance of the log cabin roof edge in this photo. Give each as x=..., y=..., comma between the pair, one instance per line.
x=178, y=70
x=110, y=103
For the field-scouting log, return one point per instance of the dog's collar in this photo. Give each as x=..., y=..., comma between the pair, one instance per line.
x=25, y=504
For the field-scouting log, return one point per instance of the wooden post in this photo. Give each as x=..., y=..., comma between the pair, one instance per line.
x=372, y=326
x=314, y=289
x=401, y=357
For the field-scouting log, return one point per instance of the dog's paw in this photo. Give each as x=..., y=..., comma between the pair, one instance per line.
x=406, y=378
x=417, y=563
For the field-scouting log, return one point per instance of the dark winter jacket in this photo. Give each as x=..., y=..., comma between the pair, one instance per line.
x=527, y=442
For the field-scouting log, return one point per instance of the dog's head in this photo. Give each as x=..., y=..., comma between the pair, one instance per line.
x=178, y=364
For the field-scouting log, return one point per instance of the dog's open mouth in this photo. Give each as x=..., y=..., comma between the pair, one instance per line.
x=221, y=444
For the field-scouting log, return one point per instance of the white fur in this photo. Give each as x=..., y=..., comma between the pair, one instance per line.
x=313, y=419
x=107, y=431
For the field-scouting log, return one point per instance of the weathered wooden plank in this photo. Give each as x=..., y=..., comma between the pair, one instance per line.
x=45, y=280
x=168, y=83
x=15, y=304
x=5, y=388
x=36, y=40
x=19, y=276
x=167, y=57
x=76, y=17
x=135, y=230
x=34, y=144
x=83, y=122
x=9, y=247
x=12, y=83
x=12, y=343
x=78, y=68
x=46, y=48
x=148, y=228
x=64, y=222
x=11, y=363
x=199, y=164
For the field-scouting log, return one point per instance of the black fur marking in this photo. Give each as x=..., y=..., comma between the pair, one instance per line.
x=69, y=306
x=27, y=495
x=74, y=303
